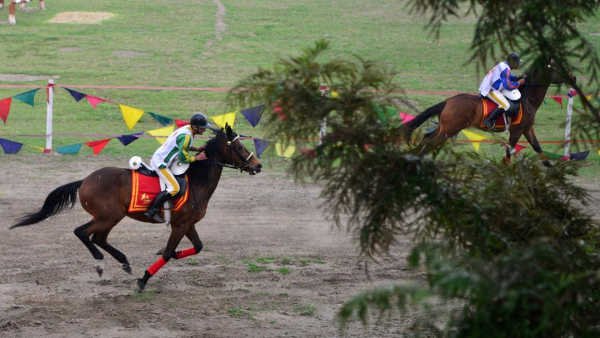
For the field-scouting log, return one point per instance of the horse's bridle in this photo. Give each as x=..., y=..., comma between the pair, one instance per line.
x=246, y=164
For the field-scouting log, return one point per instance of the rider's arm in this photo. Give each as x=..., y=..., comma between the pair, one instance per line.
x=183, y=144
x=507, y=80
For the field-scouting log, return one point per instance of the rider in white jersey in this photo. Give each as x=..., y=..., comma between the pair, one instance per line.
x=500, y=86
x=173, y=158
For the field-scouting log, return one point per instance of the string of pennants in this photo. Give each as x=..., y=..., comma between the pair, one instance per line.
x=131, y=115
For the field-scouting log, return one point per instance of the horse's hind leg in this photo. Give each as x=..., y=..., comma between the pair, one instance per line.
x=100, y=240
x=83, y=233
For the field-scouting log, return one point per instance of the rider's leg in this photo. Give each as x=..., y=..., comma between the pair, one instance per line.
x=503, y=105
x=172, y=188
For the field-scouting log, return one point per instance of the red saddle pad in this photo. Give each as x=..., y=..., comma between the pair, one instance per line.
x=143, y=190
x=488, y=106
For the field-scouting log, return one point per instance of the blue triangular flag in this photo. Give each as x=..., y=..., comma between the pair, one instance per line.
x=579, y=156
x=126, y=139
x=70, y=149
x=165, y=121
x=260, y=146
x=253, y=114
x=76, y=95
x=10, y=147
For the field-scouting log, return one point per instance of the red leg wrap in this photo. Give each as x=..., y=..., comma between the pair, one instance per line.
x=185, y=253
x=156, y=265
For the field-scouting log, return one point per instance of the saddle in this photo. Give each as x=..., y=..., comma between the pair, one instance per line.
x=145, y=186
x=514, y=116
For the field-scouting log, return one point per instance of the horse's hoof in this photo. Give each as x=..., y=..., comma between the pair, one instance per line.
x=127, y=268
x=160, y=252
x=141, y=285
x=99, y=270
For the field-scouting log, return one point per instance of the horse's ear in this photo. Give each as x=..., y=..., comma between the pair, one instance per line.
x=228, y=130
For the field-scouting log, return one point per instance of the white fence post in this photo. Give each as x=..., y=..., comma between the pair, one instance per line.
x=568, y=124
x=49, y=106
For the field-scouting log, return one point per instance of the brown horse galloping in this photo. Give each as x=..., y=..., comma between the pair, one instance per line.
x=106, y=193
x=465, y=110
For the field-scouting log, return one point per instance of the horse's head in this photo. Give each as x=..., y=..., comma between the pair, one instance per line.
x=544, y=72
x=227, y=149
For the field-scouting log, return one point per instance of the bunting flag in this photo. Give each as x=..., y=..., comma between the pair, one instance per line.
x=10, y=147
x=165, y=121
x=260, y=146
x=405, y=117
x=334, y=94
x=552, y=156
x=221, y=120
x=385, y=113
x=285, y=151
x=557, y=98
x=131, y=115
x=161, y=134
x=5, y=108
x=75, y=94
x=69, y=150
x=126, y=139
x=474, y=138
x=518, y=148
x=572, y=92
x=253, y=114
x=94, y=100
x=181, y=123
x=27, y=97
x=98, y=145
x=579, y=156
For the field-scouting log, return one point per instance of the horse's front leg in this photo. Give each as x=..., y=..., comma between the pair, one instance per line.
x=177, y=234
x=532, y=139
x=513, y=139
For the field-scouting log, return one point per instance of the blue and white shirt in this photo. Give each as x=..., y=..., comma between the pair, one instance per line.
x=498, y=78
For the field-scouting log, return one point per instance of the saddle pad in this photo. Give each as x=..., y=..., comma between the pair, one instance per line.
x=488, y=106
x=145, y=188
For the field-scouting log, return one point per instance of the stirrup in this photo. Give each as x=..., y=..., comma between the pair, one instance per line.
x=489, y=124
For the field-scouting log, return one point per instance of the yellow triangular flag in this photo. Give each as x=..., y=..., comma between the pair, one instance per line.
x=161, y=134
x=221, y=120
x=131, y=115
x=474, y=138
x=285, y=152
x=588, y=97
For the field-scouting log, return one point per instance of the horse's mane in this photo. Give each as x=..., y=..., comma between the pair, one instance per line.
x=199, y=170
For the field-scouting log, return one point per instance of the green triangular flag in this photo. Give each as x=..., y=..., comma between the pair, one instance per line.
x=27, y=97
x=553, y=156
x=165, y=121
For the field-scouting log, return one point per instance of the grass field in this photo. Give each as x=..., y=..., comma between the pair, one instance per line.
x=175, y=43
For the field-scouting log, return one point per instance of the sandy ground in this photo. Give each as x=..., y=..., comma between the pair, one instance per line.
x=272, y=266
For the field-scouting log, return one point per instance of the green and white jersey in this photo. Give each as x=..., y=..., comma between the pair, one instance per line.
x=175, y=149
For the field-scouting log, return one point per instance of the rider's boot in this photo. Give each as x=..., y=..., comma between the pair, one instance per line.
x=490, y=121
x=152, y=212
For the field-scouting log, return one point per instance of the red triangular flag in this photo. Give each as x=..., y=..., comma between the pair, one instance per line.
x=94, y=100
x=557, y=98
x=98, y=145
x=181, y=123
x=5, y=108
x=518, y=148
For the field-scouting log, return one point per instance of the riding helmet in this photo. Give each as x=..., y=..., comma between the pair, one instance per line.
x=513, y=59
x=199, y=120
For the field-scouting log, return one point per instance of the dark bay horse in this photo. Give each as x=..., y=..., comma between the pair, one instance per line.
x=465, y=110
x=105, y=194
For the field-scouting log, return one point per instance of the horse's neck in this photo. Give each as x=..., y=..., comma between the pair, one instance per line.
x=202, y=189
x=535, y=95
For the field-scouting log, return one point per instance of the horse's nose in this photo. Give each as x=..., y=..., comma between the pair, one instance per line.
x=258, y=168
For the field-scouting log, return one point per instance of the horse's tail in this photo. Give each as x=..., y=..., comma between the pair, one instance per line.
x=425, y=115
x=57, y=200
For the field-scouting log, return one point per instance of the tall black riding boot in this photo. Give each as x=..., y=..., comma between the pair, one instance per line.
x=490, y=121
x=151, y=213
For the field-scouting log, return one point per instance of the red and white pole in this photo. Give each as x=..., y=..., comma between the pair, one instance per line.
x=49, y=108
x=570, y=95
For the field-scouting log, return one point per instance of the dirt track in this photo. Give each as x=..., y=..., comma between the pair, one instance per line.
x=48, y=286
